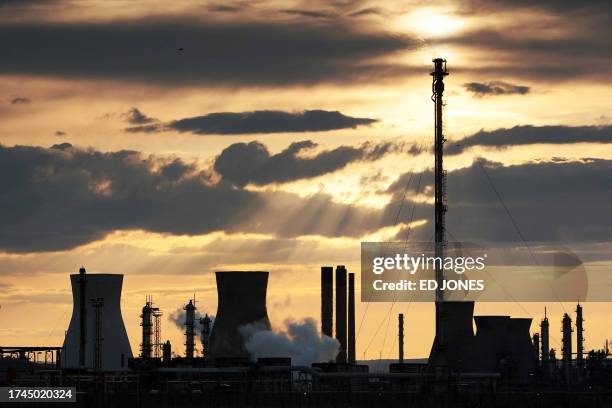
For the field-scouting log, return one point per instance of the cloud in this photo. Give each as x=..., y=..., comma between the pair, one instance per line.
x=527, y=134
x=244, y=163
x=264, y=121
x=59, y=133
x=299, y=340
x=213, y=52
x=550, y=201
x=20, y=100
x=135, y=117
x=62, y=197
x=495, y=88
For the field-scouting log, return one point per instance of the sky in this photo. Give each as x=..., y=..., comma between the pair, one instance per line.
x=169, y=140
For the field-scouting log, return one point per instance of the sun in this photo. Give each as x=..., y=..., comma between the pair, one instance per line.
x=432, y=22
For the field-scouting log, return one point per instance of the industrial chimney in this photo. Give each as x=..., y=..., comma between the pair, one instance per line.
x=400, y=329
x=351, y=318
x=341, y=312
x=190, y=329
x=241, y=302
x=327, y=300
x=81, y=350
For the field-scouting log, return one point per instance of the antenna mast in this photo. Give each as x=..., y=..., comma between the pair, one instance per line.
x=437, y=88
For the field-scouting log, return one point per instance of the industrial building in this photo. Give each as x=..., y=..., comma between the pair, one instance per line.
x=96, y=337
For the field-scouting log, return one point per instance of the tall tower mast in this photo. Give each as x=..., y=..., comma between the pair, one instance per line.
x=437, y=88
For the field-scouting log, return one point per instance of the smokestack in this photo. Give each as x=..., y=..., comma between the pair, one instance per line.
x=147, y=330
x=83, y=316
x=566, y=341
x=579, y=338
x=327, y=300
x=544, y=335
x=351, y=318
x=400, y=319
x=189, y=329
x=341, y=312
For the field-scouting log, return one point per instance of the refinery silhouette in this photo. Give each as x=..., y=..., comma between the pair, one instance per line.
x=499, y=364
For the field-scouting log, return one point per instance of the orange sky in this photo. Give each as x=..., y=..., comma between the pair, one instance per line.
x=44, y=101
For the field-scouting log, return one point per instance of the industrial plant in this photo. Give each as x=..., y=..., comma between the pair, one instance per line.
x=506, y=361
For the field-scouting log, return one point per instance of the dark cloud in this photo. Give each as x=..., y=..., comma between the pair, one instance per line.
x=265, y=121
x=526, y=135
x=243, y=163
x=368, y=11
x=59, y=198
x=578, y=51
x=310, y=13
x=495, y=88
x=554, y=201
x=135, y=117
x=20, y=100
x=213, y=53
x=60, y=133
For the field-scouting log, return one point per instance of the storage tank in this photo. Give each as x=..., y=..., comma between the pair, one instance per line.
x=108, y=341
x=241, y=302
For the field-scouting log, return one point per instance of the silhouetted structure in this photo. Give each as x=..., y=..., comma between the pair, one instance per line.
x=520, y=349
x=115, y=346
x=438, y=356
x=205, y=335
x=566, y=349
x=459, y=334
x=536, y=348
x=400, y=319
x=579, y=338
x=167, y=352
x=351, y=318
x=545, y=338
x=190, y=309
x=490, y=343
x=241, y=306
x=83, y=316
x=146, y=317
x=341, y=312
x=327, y=300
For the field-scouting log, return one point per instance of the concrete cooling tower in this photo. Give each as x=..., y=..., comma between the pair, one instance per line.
x=520, y=348
x=241, y=302
x=96, y=337
x=491, y=343
x=459, y=335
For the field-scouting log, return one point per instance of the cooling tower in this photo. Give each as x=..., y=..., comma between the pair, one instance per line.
x=458, y=335
x=241, y=310
x=490, y=343
x=106, y=341
x=520, y=349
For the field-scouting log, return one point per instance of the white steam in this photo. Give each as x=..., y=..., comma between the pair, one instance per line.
x=299, y=340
